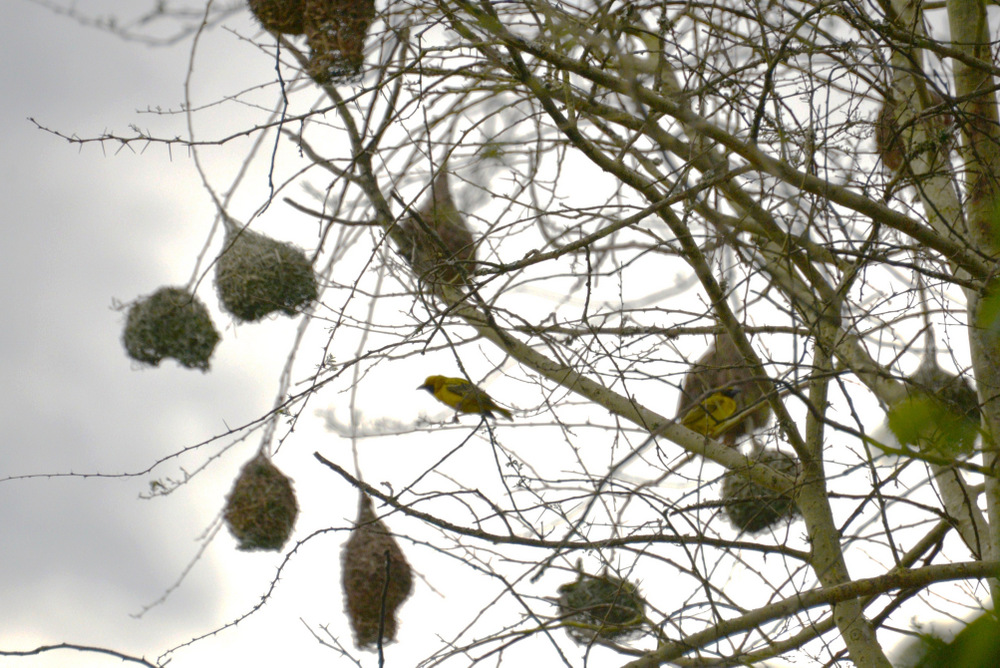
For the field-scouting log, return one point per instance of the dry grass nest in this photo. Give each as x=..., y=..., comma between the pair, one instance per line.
x=376, y=578
x=261, y=508
x=751, y=508
x=336, y=31
x=436, y=241
x=281, y=16
x=602, y=607
x=722, y=366
x=893, y=143
x=170, y=323
x=256, y=276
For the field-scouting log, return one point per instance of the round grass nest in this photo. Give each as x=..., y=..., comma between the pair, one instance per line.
x=170, y=323
x=893, y=143
x=600, y=606
x=722, y=367
x=751, y=508
x=281, y=16
x=375, y=574
x=256, y=276
x=940, y=415
x=436, y=241
x=335, y=31
x=261, y=508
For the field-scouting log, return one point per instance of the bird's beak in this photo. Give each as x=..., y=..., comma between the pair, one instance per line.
x=425, y=387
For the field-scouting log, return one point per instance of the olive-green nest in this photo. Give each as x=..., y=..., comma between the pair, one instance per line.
x=751, y=508
x=281, y=16
x=261, y=508
x=170, y=323
x=722, y=367
x=940, y=415
x=371, y=554
x=336, y=31
x=256, y=276
x=436, y=241
x=600, y=607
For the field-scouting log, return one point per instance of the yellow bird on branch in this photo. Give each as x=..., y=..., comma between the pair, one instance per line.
x=711, y=416
x=463, y=396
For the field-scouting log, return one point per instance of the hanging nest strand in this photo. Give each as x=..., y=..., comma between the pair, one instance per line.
x=286, y=17
x=600, y=606
x=370, y=554
x=436, y=241
x=722, y=367
x=894, y=143
x=173, y=323
x=955, y=391
x=335, y=31
x=751, y=508
x=940, y=414
x=256, y=276
x=261, y=508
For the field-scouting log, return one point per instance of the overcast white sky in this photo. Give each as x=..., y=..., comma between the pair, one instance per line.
x=81, y=228
x=86, y=226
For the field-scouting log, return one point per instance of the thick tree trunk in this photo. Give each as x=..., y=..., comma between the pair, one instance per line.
x=978, y=121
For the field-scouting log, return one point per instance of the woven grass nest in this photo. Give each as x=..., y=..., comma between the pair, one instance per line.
x=261, y=508
x=600, y=606
x=721, y=367
x=170, y=323
x=256, y=276
x=281, y=16
x=940, y=414
x=335, y=31
x=370, y=555
x=751, y=508
x=436, y=242
x=893, y=142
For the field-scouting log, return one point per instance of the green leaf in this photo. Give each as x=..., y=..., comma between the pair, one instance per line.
x=924, y=421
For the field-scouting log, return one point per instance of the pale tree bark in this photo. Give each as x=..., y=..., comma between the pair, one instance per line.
x=939, y=197
x=980, y=151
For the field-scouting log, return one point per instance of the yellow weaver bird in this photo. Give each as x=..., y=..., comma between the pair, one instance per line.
x=463, y=396
x=710, y=415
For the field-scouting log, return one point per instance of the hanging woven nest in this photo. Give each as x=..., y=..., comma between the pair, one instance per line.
x=286, y=17
x=256, y=276
x=370, y=555
x=170, y=323
x=751, y=508
x=261, y=508
x=940, y=414
x=336, y=31
x=436, y=241
x=722, y=367
x=895, y=144
x=600, y=606
x=887, y=141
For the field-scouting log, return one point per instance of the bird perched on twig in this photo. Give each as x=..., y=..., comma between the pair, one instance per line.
x=722, y=366
x=463, y=396
x=711, y=416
